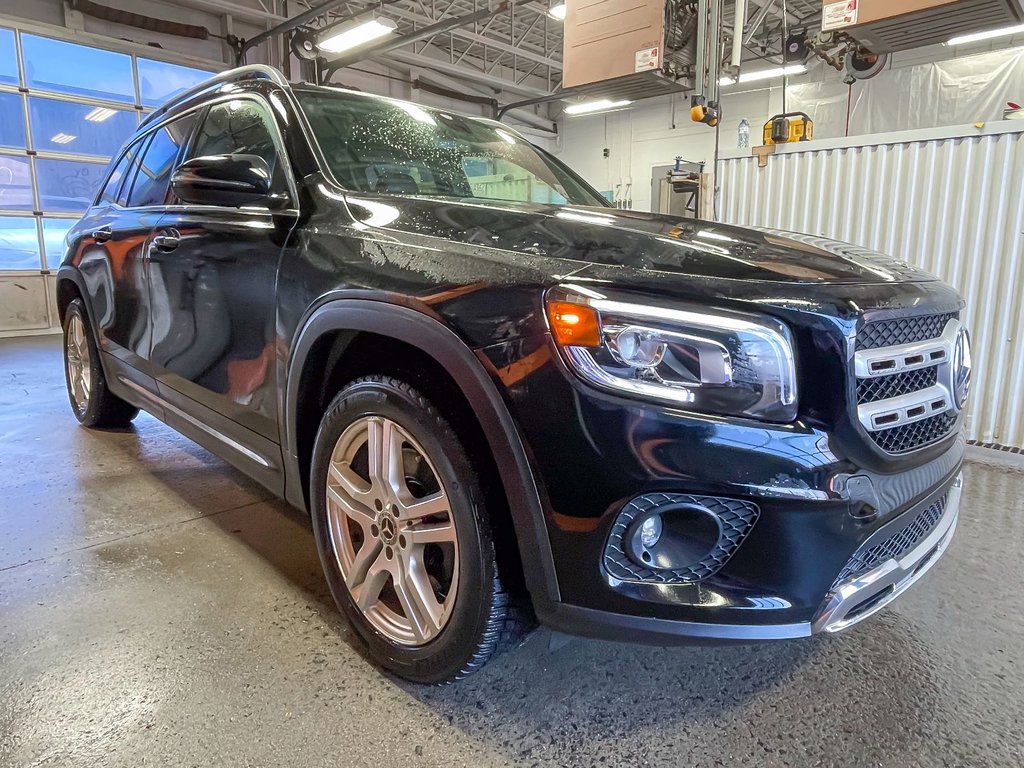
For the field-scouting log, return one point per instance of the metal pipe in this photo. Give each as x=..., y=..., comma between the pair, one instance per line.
x=286, y=26
x=757, y=21
x=737, y=32
x=536, y=100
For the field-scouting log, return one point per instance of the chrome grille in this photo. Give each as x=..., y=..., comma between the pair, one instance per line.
x=896, y=545
x=904, y=385
x=903, y=330
x=917, y=434
x=884, y=387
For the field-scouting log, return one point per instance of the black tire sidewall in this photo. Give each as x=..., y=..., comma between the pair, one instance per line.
x=444, y=657
x=89, y=415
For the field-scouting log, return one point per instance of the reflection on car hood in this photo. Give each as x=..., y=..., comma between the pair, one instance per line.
x=641, y=241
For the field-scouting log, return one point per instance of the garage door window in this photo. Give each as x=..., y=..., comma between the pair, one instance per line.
x=65, y=110
x=19, y=244
x=67, y=127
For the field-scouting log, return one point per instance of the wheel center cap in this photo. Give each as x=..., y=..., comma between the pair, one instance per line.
x=388, y=530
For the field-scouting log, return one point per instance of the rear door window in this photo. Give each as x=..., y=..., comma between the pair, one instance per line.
x=157, y=161
x=108, y=195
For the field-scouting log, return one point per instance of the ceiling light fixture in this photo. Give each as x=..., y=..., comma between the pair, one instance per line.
x=349, y=36
x=557, y=11
x=63, y=138
x=100, y=114
x=765, y=74
x=987, y=35
x=595, y=106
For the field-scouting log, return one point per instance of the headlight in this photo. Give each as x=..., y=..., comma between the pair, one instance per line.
x=721, y=362
x=962, y=368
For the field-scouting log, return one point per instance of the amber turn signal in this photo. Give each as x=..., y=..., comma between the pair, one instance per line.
x=575, y=325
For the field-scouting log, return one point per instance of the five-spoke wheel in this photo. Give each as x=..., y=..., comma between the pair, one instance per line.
x=403, y=533
x=392, y=530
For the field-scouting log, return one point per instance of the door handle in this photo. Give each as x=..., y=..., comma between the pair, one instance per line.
x=102, y=234
x=168, y=240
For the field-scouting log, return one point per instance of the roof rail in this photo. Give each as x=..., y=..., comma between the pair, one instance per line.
x=248, y=72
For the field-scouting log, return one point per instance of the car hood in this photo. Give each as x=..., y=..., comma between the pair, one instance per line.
x=636, y=240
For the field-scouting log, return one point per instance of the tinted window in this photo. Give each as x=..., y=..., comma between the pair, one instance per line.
x=54, y=232
x=68, y=185
x=53, y=65
x=19, y=243
x=12, y=121
x=64, y=126
x=16, y=183
x=393, y=147
x=154, y=171
x=109, y=193
x=159, y=81
x=8, y=58
x=239, y=127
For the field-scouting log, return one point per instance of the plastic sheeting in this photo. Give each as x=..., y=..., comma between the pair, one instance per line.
x=950, y=201
x=953, y=92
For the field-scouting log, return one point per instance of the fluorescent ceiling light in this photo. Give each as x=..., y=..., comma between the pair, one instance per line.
x=557, y=11
x=765, y=74
x=349, y=37
x=62, y=138
x=987, y=35
x=100, y=114
x=595, y=106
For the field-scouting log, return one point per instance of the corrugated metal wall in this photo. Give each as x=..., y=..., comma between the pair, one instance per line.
x=952, y=205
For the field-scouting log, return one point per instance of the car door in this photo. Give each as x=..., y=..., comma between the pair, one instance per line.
x=214, y=285
x=111, y=257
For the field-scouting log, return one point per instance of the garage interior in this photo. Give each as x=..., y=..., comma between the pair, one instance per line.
x=159, y=608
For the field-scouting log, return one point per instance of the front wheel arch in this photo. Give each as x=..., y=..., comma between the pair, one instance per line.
x=322, y=344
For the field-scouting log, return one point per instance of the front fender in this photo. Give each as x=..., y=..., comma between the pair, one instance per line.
x=420, y=330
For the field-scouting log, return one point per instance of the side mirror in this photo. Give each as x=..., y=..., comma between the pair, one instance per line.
x=233, y=180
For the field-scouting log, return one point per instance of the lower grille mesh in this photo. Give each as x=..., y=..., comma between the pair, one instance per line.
x=917, y=434
x=896, y=545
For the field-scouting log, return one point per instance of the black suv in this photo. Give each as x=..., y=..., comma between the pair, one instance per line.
x=494, y=392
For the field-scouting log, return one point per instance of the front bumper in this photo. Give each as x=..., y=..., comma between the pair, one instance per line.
x=846, y=604
x=863, y=595
x=595, y=454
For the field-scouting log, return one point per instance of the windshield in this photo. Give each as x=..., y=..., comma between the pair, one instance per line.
x=392, y=147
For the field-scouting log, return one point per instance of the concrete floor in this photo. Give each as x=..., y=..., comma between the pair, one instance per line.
x=157, y=608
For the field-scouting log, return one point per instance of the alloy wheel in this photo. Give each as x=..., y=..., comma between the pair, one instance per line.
x=392, y=531
x=79, y=362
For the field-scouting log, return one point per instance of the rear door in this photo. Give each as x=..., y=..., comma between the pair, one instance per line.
x=214, y=286
x=111, y=259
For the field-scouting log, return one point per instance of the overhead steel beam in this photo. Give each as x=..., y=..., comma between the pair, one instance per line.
x=468, y=73
x=472, y=37
x=448, y=25
x=238, y=12
x=756, y=21
x=522, y=115
x=287, y=26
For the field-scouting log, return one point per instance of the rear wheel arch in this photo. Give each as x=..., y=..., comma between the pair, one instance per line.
x=348, y=338
x=69, y=289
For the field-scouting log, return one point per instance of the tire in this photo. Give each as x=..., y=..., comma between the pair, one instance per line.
x=370, y=531
x=93, y=404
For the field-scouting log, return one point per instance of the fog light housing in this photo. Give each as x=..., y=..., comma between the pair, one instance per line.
x=671, y=538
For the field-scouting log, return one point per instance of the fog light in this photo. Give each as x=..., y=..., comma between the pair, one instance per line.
x=650, y=531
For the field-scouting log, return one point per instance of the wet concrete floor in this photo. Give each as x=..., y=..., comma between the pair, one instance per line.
x=158, y=608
